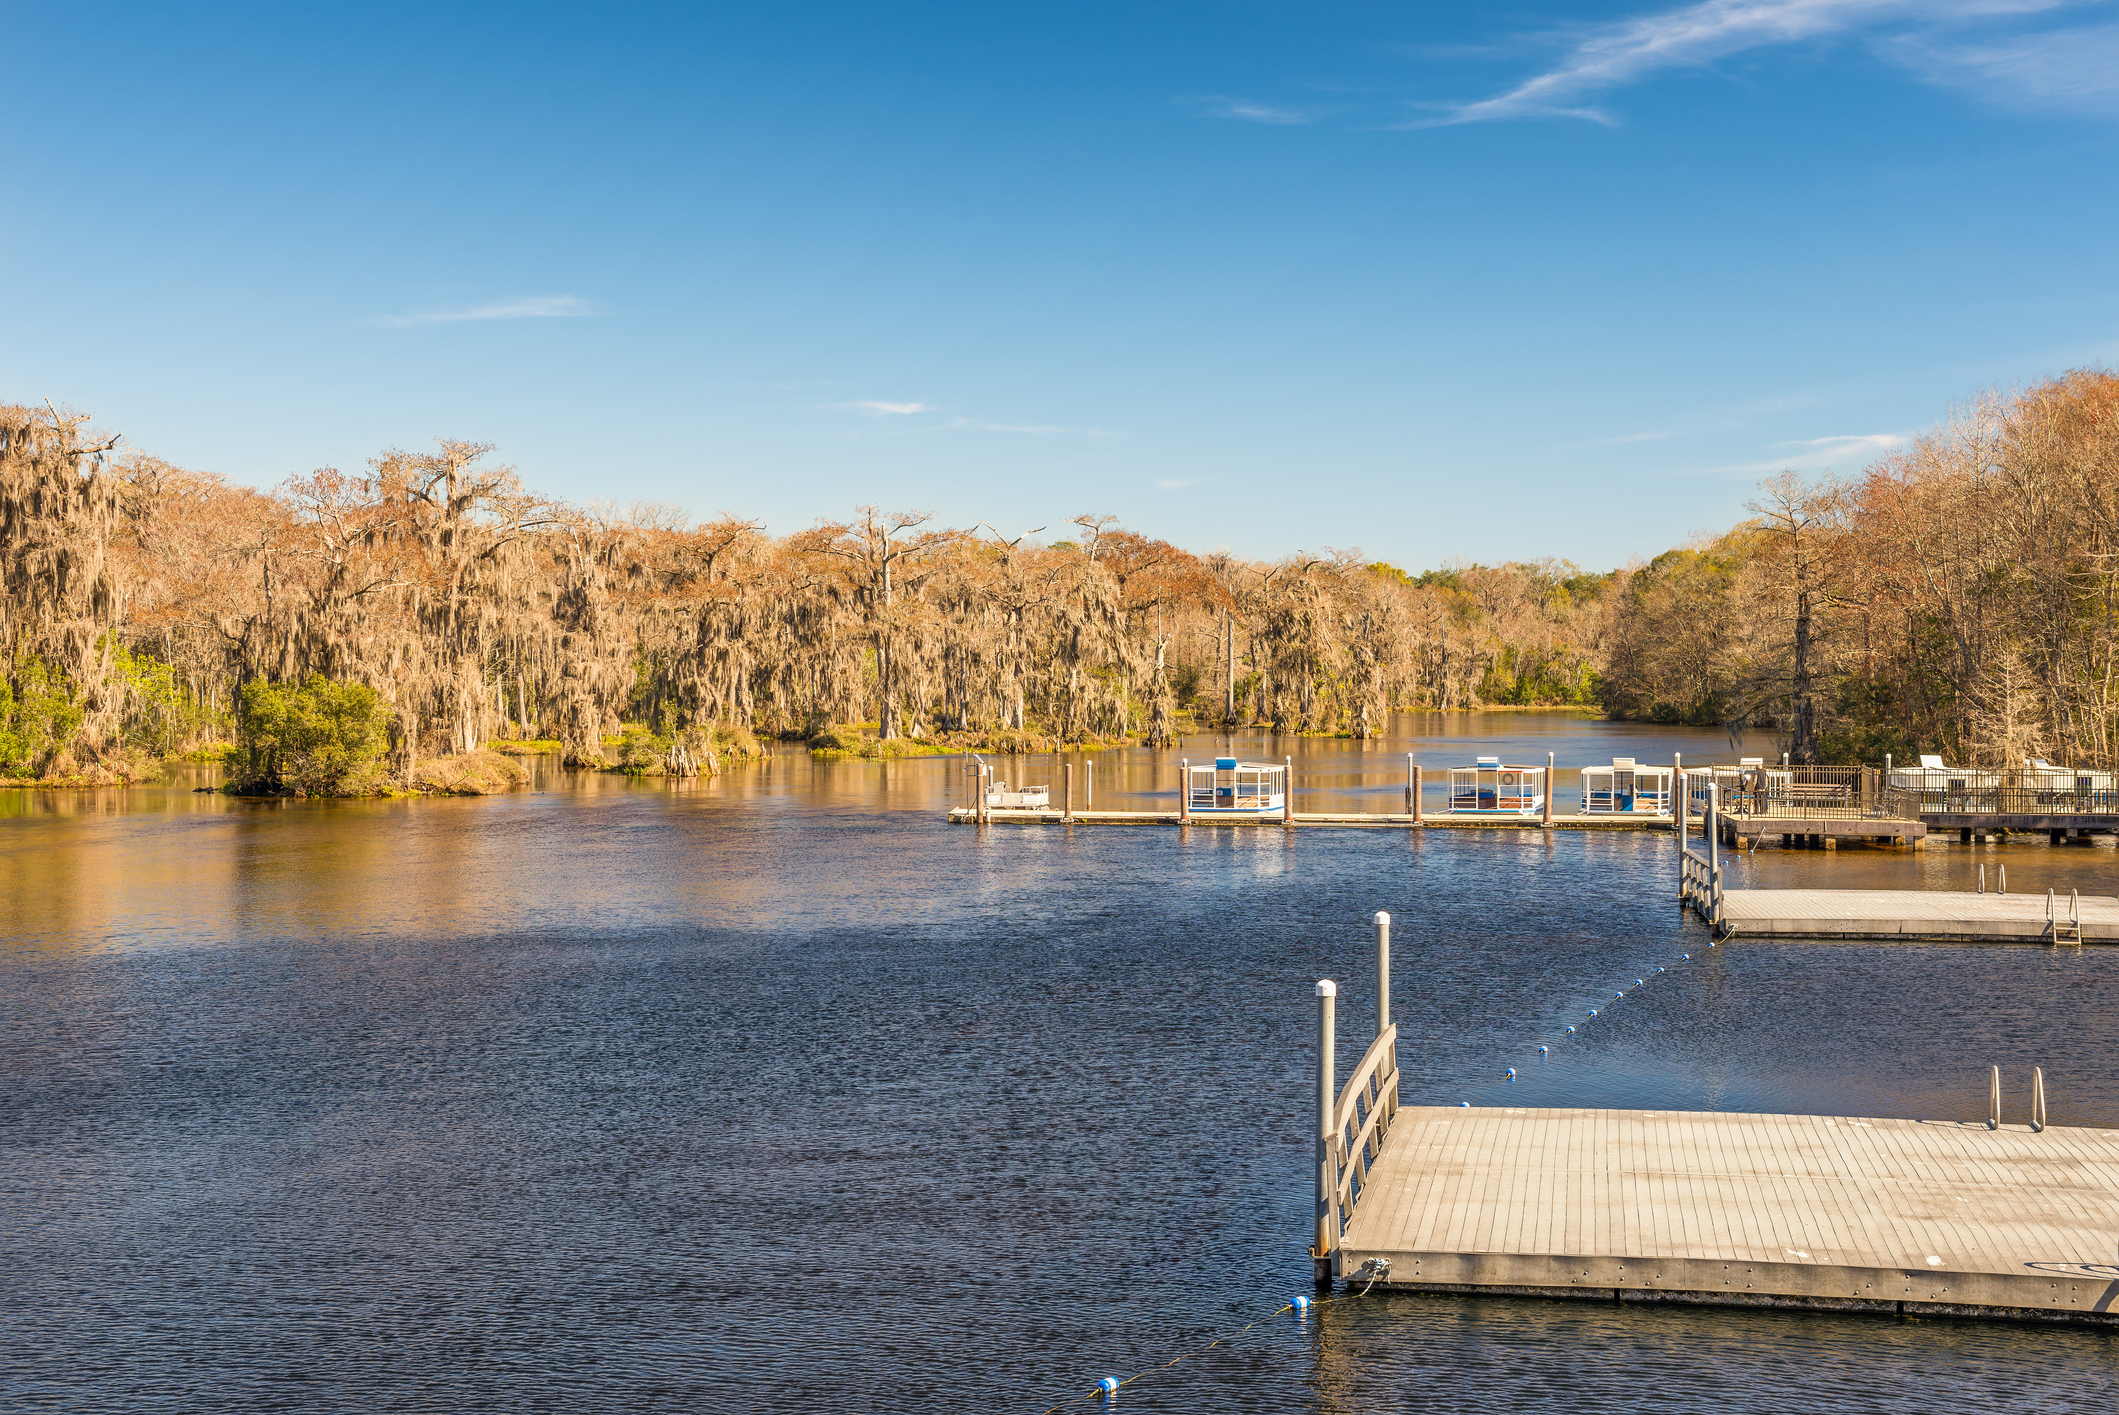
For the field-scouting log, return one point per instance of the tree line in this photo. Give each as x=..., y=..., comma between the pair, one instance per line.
x=1958, y=595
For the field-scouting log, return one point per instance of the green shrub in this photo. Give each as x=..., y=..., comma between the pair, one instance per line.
x=37, y=722
x=640, y=751
x=317, y=738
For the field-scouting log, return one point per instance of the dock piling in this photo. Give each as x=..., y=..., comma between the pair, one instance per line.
x=1412, y=786
x=1089, y=784
x=1287, y=786
x=1327, y=1141
x=2038, y=1098
x=1184, y=788
x=1993, y=1098
x=1416, y=795
x=1678, y=827
x=1551, y=764
x=1383, y=972
x=1067, y=792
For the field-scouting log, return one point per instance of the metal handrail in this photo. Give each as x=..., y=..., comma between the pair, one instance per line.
x=1352, y=1120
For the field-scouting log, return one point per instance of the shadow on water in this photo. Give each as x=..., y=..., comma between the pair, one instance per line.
x=777, y=1093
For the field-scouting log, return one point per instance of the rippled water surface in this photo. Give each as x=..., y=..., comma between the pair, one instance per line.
x=779, y=1093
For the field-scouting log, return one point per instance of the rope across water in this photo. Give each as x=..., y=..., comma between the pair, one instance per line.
x=1111, y=1385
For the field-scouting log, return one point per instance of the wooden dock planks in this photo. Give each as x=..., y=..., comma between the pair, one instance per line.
x=1732, y=1207
x=1913, y=913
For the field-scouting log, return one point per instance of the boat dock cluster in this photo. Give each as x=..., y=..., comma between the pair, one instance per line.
x=1752, y=801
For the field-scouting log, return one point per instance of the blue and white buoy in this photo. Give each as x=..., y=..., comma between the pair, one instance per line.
x=1108, y=1385
x=1301, y=1303
x=1541, y=1050
x=1511, y=1073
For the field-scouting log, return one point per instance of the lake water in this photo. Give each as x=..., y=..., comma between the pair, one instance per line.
x=777, y=1092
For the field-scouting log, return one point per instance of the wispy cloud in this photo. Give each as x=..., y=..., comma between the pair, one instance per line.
x=1245, y=110
x=522, y=307
x=1179, y=484
x=876, y=408
x=1851, y=442
x=1980, y=45
x=1815, y=454
x=2071, y=70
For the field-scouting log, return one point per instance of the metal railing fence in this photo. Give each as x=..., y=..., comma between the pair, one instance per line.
x=2029, y=792
x=1790, y=792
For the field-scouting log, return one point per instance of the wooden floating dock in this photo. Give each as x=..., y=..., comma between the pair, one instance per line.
x=1825, y=832
x=1916, y=913
x=966, y=815
x=1841, y=1213
x=1769, y=1210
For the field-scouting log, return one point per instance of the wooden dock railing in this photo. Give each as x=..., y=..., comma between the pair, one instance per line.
x=1352, y=1121
x=1700, y=875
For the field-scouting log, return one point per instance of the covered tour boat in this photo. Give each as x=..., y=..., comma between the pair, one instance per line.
x=1233, y=788
x=1491, y=788
x=1625, y=788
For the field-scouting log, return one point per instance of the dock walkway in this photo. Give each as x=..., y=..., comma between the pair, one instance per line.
x=965, y=815
x=1918, y=913
x=1778, y=1210
x=1976, y=1218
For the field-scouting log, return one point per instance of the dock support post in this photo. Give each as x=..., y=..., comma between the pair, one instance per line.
x=1383, y=972
x=1067, y=793
x=1993, y=1098
x=1089, y=784
x=1327, y=1141
x=2038, y=1098
x=1714, y=858
x=1550, y=760
x=1419, y=817
x=1287, y=796
x=1680, y=829
x=1184, y=789
x=1412, y=787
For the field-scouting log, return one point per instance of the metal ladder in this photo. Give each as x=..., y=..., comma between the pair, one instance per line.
x=2068, y=930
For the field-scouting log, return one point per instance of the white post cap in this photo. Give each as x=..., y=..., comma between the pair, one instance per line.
x=1383, y=916
x=1327, y=988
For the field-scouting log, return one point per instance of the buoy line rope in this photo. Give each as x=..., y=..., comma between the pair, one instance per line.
x=1111, y=1385
x=1545, y=1049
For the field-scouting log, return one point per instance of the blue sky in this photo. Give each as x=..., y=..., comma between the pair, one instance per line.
x=1428, y=280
